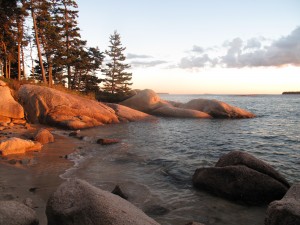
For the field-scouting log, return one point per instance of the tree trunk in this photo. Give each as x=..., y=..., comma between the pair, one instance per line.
x=37, y=41
x=23, y=62
x=50, y=74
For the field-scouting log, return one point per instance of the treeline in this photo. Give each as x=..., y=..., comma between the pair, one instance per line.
x=44, y=36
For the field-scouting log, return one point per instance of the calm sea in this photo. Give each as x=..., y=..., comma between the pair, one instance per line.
x=155, y=161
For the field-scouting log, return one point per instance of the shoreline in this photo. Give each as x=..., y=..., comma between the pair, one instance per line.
x=34, y=176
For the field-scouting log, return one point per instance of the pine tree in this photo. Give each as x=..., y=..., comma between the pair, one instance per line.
x=117, y=80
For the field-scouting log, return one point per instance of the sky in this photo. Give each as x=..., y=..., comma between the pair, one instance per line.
x=202, y=46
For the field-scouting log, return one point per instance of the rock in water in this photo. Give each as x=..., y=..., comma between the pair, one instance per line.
x=78, y=203
x=105, y=141
x=287, y=210
x=128, y=114
x=239, y=183
x=145, y=101
x=117, y=191
x=217, y=109
x=170, y=111
x=18, y=146
x=44, y=136
x=243, y=158
x=8, y=106
x=241, y=177
x=49, y=106
x=15, y=213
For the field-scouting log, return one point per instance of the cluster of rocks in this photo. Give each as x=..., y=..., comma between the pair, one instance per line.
x=241, y=177
x=149, y=102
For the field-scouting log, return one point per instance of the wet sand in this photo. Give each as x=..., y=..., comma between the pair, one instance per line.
x=35, y=175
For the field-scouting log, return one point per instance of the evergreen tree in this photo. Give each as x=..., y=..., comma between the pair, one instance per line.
x=117, y=80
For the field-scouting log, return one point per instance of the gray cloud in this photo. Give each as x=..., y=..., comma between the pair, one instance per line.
x=251, y=53
x=147, y=63
x=198, y=49
x=136, y=56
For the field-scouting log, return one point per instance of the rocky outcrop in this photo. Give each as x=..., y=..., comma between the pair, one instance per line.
x=78, y=203
x=44, y=136
x=145, y=101
x=49, y=106
x=15, y=213
x=287, y=210
x=18, y=146
x=217, y=109
x=126, y=114
x=8, y=106
x=149, y=102
x=170, y=111
x=244, y=179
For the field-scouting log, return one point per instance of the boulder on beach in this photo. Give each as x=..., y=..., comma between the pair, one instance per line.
x=49, y=106
x=15, y=213
x=126, y=114
x=44, y=136
x=170, y=111
x=245, y=179
x=18, y=146
x=78, y=203
x=217, y=109
x=9, y=107
x=285, y=211
x=145, y=101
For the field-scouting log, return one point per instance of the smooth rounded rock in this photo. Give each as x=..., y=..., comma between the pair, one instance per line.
x=18, y=146
x=44, y=136
x=9, y=107
x=15, y=213
x=78, y=203
x=287, y=210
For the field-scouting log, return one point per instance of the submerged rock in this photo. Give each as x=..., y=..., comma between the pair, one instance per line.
x=78, y=203
x=44, y=136
x=170, y=111
x=242, y=177
x=18, y=146
x=105, y=141
x=49, y=106
x=15, y=213
x=217, y=109
x=117, y=191
x=287, y=210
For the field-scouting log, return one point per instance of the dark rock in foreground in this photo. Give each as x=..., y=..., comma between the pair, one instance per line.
x=243, y=158
x=15, y=213
x=287, y=210
x=105, y=141
x=241, y=177
x=78, y=203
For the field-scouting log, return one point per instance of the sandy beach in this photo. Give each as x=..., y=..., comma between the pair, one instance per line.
x=35, y=175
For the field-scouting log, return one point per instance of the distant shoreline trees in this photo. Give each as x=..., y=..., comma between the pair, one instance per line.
x=49, y=30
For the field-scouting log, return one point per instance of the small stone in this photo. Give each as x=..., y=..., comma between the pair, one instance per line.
x=156, y=210
x=12, y=162
x=74, y=133
x=11, y=124
x=103, y=141
x=33, y=189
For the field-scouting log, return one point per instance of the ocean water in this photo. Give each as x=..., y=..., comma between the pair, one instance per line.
x=155, y=161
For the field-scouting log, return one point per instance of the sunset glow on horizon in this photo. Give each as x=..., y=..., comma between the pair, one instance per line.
x=199, y=47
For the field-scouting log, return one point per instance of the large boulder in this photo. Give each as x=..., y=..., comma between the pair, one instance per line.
x=145, y=101
x=49, y=106
x=128, y=114
x=18, y=146
x=217, y=109
x=78, y=203
x=15, y=213
x=170, y=111
x=8, y=106
x=287, y=210
x=44, y=136
x=243, y=158
x=241, y=177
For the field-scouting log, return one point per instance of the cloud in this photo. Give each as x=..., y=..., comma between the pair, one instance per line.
x=197, y=49
x=255, y=52
x=136, y=56
x=147, y=63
